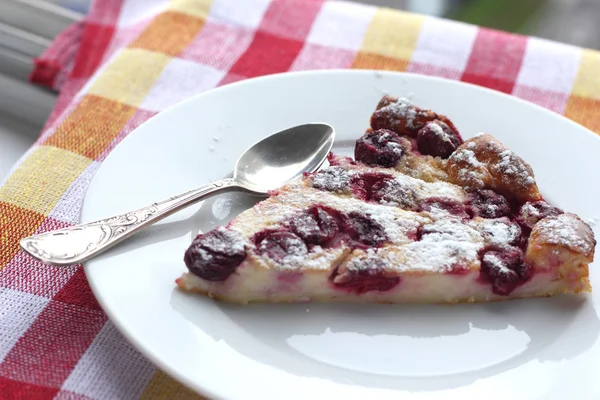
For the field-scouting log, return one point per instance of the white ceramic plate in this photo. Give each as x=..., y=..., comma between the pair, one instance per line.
x=546, y=348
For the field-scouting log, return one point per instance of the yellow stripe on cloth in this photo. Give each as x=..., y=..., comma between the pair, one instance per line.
x=194, y=8
x=130, y=76
x=43, y=177
x=162, y=387
x=390, y=40
x=587, y=82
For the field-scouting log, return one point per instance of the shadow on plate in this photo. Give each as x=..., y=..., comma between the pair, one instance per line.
x=212, y=212
x=544, y=321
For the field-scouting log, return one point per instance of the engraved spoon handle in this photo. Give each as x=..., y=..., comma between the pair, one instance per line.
x=81, y=242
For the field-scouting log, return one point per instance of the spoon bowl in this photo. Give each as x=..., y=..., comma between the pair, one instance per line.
x=283, y=157
x=265, y=166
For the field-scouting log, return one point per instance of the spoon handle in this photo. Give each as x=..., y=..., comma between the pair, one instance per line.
x=81, y=242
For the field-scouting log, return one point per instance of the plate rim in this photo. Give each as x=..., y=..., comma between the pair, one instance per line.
x=166, y=113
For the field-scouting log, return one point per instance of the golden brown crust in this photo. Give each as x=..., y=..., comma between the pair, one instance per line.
x=567, y=231
x=426, y=168
x=484, y=162
x=400, y=116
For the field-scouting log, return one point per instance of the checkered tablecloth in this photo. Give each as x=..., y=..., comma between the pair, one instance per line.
x=129, y=60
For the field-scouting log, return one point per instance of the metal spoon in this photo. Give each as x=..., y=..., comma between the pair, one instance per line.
x=267, y=165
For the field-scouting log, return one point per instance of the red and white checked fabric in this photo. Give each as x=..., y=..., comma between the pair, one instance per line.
x=131, y=59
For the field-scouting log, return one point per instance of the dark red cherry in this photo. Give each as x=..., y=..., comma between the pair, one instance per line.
x=382, y=148
x=364, y=276
x=488, y=204
x=279, y=245
x=504, y=269
x=394, y=192
x=215, y=255
x=363, y=230
x=363, y=184
x=437, y=139
x=317, y=225
x=453, y=207
x=532, y=212
x=400, y=116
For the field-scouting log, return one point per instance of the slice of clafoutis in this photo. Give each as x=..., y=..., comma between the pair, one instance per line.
x=418, y=217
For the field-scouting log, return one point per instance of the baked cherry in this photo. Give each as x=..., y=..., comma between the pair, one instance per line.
x=437, y=139
x=400, y=116
x=317, y=225
x=453, y=207
x=364, y=276
x=382, y=147
x=532, y=212
x=504, y=269
x=486, y=203
x=363, y=230
x=394, y=192
x=363, y=184
x=280, y=245
x=215, y=255
x=404, y=118
x=332, y=179
x=337, y=160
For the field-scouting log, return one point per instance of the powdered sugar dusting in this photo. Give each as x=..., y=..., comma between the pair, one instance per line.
x=499, y=232
x=529, y=210
x=446, y=244
x=337, y=179
x=396, y=229
x=496, y=262
x=474, y=170
x=467, y=156
x=387, y=140
x=512, y=169
x=566, y=230
x=449, y=229
x=371, y=258
x=334, y=179
x=402, y=108
x=438, y=257
x=235, y=243
x=295, y=250
x=437, y=129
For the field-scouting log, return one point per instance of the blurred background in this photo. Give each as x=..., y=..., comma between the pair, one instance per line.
x=569, y=21
x=27, y=27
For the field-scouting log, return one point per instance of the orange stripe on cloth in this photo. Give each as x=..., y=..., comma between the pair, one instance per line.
x=91, y=126
x=162, y=386
x=42, y=179
x=169, y=33
x=585, y=111
x=15, y=223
